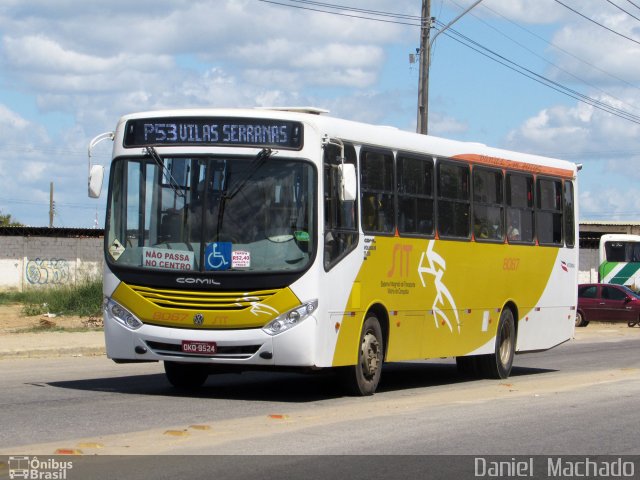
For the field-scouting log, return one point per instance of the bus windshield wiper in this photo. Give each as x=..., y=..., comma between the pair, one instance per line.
x=253, y=167
x=151, y=151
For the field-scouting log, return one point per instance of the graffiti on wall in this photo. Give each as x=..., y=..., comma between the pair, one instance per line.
x=47, y=271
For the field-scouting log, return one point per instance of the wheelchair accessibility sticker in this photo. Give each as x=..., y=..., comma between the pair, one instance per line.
x=217, y=256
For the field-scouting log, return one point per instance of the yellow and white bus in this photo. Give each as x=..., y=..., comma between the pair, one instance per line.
x=285, y=238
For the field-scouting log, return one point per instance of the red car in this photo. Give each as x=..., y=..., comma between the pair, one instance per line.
x=608, y=303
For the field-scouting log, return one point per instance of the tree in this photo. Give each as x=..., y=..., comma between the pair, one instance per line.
x=5, y=221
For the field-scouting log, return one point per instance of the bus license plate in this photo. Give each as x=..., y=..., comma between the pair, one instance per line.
x=199, y=348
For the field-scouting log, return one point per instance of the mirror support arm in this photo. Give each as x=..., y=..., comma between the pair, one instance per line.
x=96, y=141
x=96, y=172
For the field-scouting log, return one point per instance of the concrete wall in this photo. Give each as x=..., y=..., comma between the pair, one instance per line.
x=32, y=261
x=588, y=265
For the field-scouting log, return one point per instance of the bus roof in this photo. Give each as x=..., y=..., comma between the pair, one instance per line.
x=619, y=237
x=381, y=136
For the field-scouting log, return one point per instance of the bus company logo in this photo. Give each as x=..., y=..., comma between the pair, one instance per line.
x=566, y=266
x=437, y=268
x=196, y=281
x=34, y=468
x=198, y=319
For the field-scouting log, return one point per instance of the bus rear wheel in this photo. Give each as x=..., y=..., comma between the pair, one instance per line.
x=363, y=377
x=185, y=375
x=498, y=364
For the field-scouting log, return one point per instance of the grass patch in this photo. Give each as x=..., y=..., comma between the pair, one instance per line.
x=39, y=329
x=83, y=300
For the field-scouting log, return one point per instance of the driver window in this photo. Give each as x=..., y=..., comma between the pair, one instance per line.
x=340, y=225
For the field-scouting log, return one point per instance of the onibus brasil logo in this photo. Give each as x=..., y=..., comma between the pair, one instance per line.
x=38, y=469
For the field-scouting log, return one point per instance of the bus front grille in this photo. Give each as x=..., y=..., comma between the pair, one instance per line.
x=190, y=299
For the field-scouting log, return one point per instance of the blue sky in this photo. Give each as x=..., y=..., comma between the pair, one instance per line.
x=70, y=69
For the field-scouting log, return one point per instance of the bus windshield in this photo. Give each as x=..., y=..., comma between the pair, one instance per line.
x=620, y=251
x=211, y=213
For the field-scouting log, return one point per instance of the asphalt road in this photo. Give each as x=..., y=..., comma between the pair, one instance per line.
x=580, y=398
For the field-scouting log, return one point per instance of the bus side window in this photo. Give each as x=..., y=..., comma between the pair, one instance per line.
x=569, y=216
x=549, y=211
x=377, y=185
x=520, y=213
x=340, y=225
x=453, y=199
x=415, y=195
x=488, y=222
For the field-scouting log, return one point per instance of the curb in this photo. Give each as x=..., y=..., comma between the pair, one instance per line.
x=53, y=352
x=51, y=345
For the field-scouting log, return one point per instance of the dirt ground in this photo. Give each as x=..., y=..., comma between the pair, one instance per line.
x=13, y=320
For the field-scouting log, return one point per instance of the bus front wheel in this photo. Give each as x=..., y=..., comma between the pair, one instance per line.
x=185, y=375
x=363, y=377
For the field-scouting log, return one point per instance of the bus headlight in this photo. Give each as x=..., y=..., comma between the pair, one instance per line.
x=291, y=318
x=121, y=315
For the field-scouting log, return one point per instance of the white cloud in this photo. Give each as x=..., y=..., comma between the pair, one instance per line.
x=526, y=11
x=609, y=203
x=581, y=126
x=11, y=120
x=598, y=55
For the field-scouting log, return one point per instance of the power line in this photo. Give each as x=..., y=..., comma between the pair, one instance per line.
x=566, y=52
x=622, y=9
x=340, y=14
x=483, y=51
x=629, y=1
x=540, y=78
x=360, y=10
x=597, y=23
x=46, y=203
x=550, y=62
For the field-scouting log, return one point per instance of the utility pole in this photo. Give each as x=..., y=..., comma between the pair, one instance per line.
x=51, y=206
x=425, y=53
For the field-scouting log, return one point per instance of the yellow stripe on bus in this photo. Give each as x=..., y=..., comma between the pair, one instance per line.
x=232, y=310
x=444, y=297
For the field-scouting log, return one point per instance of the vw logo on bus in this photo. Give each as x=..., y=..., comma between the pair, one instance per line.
x=198, y=318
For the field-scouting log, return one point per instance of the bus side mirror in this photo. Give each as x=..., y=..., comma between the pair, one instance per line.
x=348, y=184
x=96, y=175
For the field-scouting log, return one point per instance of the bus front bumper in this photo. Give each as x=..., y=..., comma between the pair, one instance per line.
x=293, y=347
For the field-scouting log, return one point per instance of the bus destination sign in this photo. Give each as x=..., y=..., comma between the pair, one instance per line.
x=207, y=131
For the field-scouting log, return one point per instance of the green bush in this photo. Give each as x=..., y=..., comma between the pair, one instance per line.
x=83, y=300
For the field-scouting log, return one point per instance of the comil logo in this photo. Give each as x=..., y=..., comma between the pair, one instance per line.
x=197, y=281
x=40, y=469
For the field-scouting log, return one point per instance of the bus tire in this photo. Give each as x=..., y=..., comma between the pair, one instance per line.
x=185, y=375
x=498, y=364
x=362, y=378
x=580, y=320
